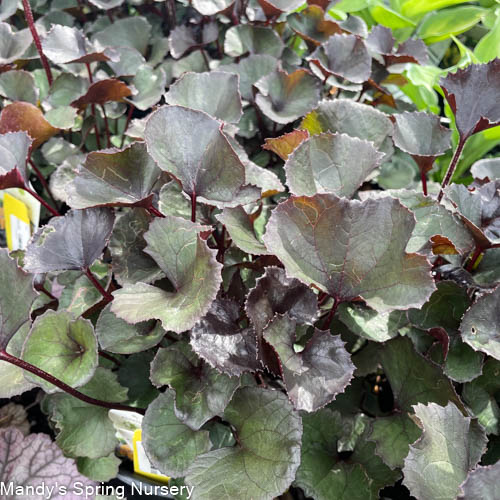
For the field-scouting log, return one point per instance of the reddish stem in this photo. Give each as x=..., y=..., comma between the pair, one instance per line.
x=98, y=286
x=472, y=262
x=329, y=318
x=35, y=195
x=423, y=177
x=41, y=288
x=451, y=168
x=127, y=123
x=107, y=356
x=34, y=33
x=193, y=206
x=106, y=124
x=5, y=356
x=153, y=211
x=43, y=181
x=92, y=109
x=205, y=58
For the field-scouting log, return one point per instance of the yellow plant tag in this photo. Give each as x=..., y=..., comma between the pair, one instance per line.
x=17, y=222
x=141, y=462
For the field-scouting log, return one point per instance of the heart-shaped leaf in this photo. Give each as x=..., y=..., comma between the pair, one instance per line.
x=130, y=263
x=240, y=227
x=16, y=297
x=299, y=233
x=170, y=444
x=184, y=38
x=74, y=241
x=480, y=326
x=254, y=39
x=285, y=97
x=473, y=114
x=20, y=115
x=191, y=146
x=345, y=56
x=315, y=375
x=14, y=151
x=116, y=335
x=422, y=136
x=19, y=86
x=487, y=169
x=149, y=84
x=433, y=468
x=251, y=69
x=103, y=91
x=324, y=474
x=29, y=461
x=310, y=24
x=351, y=118
x=190, y=266
x=131, y=32
x=62, y=346
x=330, y=163
x=86, y=430
x=216, y=93
x=402, y=363
x=114, y=178
x=64, y=44
x=222, y=343
x=201, y=392
x=13, y=44
x=263, y=463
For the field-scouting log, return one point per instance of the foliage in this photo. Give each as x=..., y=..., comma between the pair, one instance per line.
x=244, y=239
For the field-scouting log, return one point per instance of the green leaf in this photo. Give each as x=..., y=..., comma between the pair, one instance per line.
x=116, y=335
x=114, y=178
x=276, y=7
x=211, y=7
x=440, y=460
x=240, y=227
x=323, y=473
x=175, y=244
x=133, y=32
x=390, y=18
x=64, y=347
x=99, y=469
x=263, y=463
x=417, y=8
x=201, y=392
x=488, y=169
x=140, y=390
x=283, y=97
x=63, y=45
x=73, y=241
x=63, y=117
x=170, y=445
x=351, y=118
x=251, y=69
x=18, y=86
x=254, y=39
x=442, y=25
x=401, y=364
x=444, y=309
x=85, y=430
x=149, y=84
x=13, y=44
x=479, y=396
x=481, y=483
x=182, y=141
x=222, y=343
x=488, y=47
x=357, y=259
x=393, y=436
x=369, y=324
x=216, y=93
x=130, y=263
x=315, y=375
x=433, y=219
x=65, y=89
x=310, y=24
x=481, y=323
x=15, y=147
x=12, y=379
x=330, y=163
x=15, y=299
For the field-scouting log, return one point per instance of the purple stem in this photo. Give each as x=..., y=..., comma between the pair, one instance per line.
x=451, y=168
